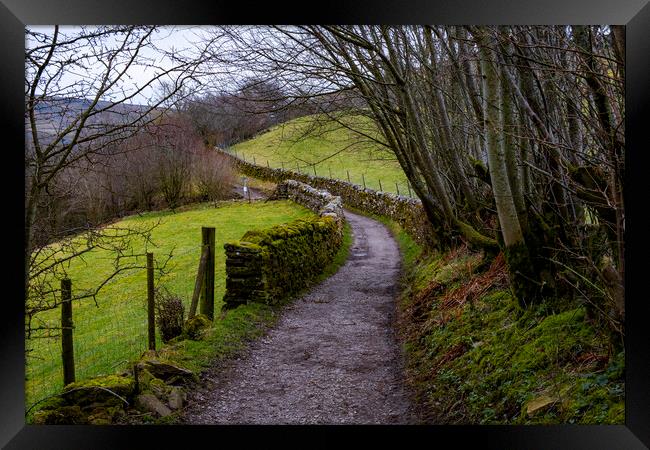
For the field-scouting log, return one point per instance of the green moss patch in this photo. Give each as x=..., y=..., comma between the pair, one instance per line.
x=492, y=362
x=100, y=390
x=273, y=264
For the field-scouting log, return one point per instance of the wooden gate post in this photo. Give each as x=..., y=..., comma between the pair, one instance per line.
x=207, y=294
x=67, y=346
x=151, y=311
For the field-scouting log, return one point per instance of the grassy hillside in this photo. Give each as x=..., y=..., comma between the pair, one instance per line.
x=114, y=331
x=317, y=141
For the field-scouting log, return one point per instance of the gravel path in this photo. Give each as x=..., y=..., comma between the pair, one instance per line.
x=332, y=358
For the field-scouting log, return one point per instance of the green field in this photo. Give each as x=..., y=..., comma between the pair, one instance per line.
x=114, y=331
x=333, y=150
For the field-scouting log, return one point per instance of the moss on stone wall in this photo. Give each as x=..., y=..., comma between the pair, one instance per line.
x=275, y=263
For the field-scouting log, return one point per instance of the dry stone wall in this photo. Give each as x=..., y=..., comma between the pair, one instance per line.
x=272, y=264
x=408, y=212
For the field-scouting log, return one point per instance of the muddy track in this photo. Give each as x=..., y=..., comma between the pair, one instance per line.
x=332, y=358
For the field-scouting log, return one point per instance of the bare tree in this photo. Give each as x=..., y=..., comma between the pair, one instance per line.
x=212, y=174
x=74, y=123
x=174, y=142
x=521, y=124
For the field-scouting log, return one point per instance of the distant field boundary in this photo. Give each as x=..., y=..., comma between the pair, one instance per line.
x=406, y=211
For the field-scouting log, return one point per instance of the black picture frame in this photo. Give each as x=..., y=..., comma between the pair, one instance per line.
x=635, y=14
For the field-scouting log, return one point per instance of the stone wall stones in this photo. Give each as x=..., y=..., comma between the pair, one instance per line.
x=406, y=211
x=272, y=264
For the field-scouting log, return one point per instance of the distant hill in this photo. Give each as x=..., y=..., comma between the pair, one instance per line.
x=54, y=114
x=318, y=142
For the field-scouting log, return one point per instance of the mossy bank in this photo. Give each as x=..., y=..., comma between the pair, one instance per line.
x=474, y=356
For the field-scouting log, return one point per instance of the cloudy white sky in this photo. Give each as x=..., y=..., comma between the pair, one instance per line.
x=180, y=39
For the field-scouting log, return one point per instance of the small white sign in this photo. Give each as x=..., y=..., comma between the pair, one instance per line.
x=245, y=189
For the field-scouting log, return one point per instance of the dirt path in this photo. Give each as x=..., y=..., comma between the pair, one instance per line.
x=332, y=358
x=255, y=194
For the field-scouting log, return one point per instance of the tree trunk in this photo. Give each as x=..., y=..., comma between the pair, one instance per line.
x=516, y=252
x=510, y=156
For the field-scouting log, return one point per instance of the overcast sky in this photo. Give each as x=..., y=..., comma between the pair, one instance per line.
x=177, y=38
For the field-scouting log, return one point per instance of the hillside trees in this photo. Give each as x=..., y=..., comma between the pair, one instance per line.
x=519, y=127
x=251, y=105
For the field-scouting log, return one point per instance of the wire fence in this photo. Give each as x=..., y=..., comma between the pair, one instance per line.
x=112, y=332
x=107, y=336
x=360, y=178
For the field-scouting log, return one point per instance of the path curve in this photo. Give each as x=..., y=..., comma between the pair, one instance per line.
x=332, y=357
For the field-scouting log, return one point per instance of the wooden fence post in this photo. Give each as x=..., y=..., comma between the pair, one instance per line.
x=267, y=164
x=198, y=284
x=315, y=170
x=380, y=188
x=348, y=176
x=330, y=169
x=408, y=185
x=298, y=166
x=207, y=294
x=67, y=345
x=397, y=187
x=151, y=311
x=282, y=165
x=364, y=180
x=254, y=162
x=243, y=156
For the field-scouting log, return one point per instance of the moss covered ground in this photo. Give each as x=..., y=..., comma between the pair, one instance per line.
x=319, y=141
x=112, y=331
x=474, y=356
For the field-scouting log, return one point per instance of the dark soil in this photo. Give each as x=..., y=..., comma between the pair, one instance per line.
x=332, y=358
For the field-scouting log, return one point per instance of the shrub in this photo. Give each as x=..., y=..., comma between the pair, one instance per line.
x=169, y=315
